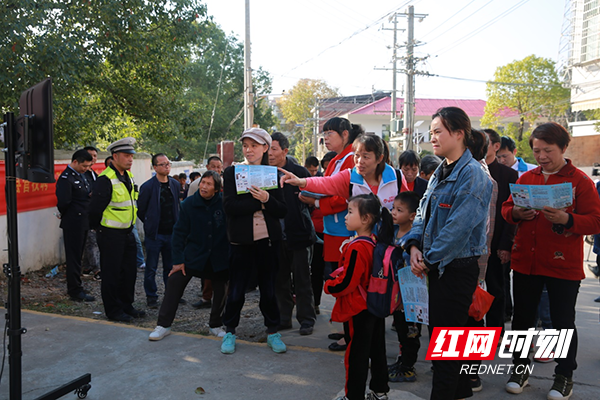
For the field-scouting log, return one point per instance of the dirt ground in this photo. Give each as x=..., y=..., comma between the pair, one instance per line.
x=49, y=294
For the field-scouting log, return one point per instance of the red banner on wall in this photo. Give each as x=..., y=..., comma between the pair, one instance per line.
x=34, y=196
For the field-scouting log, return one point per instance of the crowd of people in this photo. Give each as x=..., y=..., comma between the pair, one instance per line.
x=450, y=214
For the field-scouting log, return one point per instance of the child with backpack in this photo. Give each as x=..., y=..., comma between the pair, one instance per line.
x=364, y=332
x=409, y=333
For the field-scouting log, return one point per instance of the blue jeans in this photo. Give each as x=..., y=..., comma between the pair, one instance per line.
x=155, y=247
x=543, y=313
x=140, y=251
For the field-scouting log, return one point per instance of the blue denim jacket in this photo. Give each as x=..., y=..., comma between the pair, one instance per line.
x=459, y=211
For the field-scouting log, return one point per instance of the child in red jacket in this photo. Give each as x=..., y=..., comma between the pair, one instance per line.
x=364, y=332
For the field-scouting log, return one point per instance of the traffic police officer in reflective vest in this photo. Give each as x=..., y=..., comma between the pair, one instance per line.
x=113, y=215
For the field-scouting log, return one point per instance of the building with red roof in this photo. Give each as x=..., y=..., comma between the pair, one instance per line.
x=375, y=118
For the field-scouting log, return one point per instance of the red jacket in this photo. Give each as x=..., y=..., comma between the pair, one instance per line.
x=335, y=204
x=357, y=263
x=538, y=250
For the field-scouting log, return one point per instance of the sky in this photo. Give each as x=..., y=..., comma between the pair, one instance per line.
x=343, y=41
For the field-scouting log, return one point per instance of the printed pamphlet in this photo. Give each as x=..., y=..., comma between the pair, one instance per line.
x=537, y=196
x=306, y=193
x=262, y=176
x=415, y=296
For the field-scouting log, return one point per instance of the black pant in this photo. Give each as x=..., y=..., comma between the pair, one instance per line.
x=409, y=337
x=494, y=280
x=261, y=256
x=118, y=253
x=562, y=294
x=317, y=270
x=176, y=286
x=293, y=277
x=365, y=336
x=74, y=239
x=450, y=297
x=472, y=323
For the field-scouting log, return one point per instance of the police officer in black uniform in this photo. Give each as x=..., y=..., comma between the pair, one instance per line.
x=73, y=199
x=91, y=253
x=90, y=174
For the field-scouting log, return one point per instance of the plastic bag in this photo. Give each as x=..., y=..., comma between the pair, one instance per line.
x=482, y=301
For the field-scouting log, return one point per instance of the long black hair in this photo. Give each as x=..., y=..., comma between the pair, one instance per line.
x=455, y=119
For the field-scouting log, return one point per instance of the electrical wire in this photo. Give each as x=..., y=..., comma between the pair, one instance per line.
x=346, y=39
x=212, y=116
x=483, y=27
x=352, y=20
x=459, y=22
x=496, y=82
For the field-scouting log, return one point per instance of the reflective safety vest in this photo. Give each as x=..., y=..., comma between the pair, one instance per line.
x=122, y=210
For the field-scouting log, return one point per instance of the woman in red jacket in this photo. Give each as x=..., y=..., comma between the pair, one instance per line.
x=548, y=249
x=339, y=135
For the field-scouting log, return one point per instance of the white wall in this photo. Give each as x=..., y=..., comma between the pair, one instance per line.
x=40, y=237
x=374, y=123
x=370, y=123
x=584, y=128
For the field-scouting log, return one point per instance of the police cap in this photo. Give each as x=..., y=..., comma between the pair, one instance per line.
x=124, y=145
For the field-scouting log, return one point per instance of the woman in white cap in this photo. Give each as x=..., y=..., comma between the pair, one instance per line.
x=254, y=230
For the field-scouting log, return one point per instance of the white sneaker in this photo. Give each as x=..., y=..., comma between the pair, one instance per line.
x=159, y=333
x=218, y=331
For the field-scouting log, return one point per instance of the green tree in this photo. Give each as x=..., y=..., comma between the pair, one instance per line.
x=111, y=61
x=530, y=87
x=215, y=84
x=148, y=69
x=296, y=106
x=301, y=145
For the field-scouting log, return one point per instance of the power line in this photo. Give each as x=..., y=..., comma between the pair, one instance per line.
x=447, y=19
x=212, y=116
x=346, y=39
x=497, y=82
x=484, y=26
x=353, y=20
x=459, y=22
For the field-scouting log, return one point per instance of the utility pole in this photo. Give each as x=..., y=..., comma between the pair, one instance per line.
x=248, y=94
x=393, y=123
x=409, y=70
x=315, y=127
x=393, y=117
x=409, y=93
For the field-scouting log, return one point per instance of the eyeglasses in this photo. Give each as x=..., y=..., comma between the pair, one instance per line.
x=329, y=133
x=168, y=164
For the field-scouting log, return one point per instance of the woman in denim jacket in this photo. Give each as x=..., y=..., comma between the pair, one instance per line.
x=449, y=234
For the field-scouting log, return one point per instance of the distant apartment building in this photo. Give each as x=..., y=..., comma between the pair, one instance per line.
x=583, y=68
